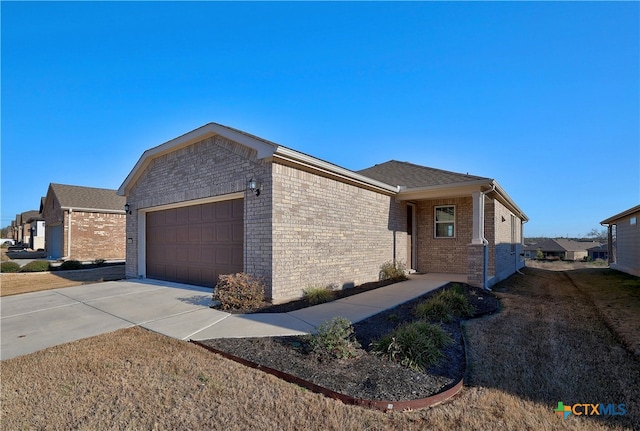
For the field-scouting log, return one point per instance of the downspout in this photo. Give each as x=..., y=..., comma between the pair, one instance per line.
x=485, y=243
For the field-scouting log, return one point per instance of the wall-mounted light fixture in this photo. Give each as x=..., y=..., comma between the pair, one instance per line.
x=254, y=186
x=127, y=207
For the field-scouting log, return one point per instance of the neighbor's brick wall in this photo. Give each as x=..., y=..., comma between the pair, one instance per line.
x=447, y=255
x=96, y=236
x=212, y=167
x=328, y=233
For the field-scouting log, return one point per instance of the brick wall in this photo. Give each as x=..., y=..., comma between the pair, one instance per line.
x=96, y=236
x=447, y=255
x=328, y=233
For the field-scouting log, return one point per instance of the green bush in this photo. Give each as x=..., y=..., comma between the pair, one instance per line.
x=69, y=265
x=36, y=266
x=445, y=306
x=9, y=267
x=318, y=295
x=99, y=261
x=393, y=270
x=416, y=345
x=239, y=291
x=335, y=338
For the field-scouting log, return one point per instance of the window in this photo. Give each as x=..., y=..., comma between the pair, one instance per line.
x=445, y=222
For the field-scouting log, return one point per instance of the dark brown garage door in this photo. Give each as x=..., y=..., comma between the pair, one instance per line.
x=195, y=244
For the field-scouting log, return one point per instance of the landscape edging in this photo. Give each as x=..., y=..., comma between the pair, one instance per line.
x=346, y=399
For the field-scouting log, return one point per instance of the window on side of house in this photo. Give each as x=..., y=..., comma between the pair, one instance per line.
x=445, y=221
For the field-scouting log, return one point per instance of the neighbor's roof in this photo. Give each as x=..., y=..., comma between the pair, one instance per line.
x=411, y=176
x=88, y=198
x=563, y=244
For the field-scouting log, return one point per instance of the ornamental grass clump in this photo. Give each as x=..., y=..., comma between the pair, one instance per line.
x=318, y=295
x=335, y=338
x=445, y=306
x=239, y=291
x=393, y=270
x=416, y=345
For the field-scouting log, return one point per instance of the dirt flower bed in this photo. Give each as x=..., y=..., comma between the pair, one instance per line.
x=368, y=376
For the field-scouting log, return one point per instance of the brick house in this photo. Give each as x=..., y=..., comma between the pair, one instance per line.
x=84, y=223
x=301, y=222
x=624, y=241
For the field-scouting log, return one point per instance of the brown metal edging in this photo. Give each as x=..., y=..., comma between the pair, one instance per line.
x=346, y=399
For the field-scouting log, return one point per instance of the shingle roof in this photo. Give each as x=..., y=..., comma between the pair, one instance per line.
x=88, y=197
x=409, y=175
x=562, y=244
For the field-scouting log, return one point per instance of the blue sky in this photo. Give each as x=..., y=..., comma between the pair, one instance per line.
x=542, y=96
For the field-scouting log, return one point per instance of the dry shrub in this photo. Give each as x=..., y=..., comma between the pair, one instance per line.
x=239, y=291
x=318, y=295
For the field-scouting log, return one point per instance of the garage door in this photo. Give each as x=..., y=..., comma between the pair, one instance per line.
x=195, y=244
x=54, y=244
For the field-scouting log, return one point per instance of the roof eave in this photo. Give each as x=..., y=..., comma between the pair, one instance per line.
x=464, y=188
x=621, y=215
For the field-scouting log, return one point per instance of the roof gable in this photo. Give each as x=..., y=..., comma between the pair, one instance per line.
x=413, y=176
x=87, y=198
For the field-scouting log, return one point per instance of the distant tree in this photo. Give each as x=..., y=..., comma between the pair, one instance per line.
x=4, y=232
x=539, y=254
x=596, y=234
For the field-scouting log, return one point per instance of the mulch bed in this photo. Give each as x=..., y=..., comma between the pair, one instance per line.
x=368, y=376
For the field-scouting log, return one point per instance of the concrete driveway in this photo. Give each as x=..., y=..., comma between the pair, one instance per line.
x=37, y=320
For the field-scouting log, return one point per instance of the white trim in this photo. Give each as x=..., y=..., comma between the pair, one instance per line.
x=414, y=236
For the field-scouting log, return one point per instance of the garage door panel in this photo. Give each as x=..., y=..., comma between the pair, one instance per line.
x=196, y=244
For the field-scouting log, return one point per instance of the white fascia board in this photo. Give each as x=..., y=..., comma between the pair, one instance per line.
x=443, y=190
x=623, y=214
x=331, y=169
x=264, y=148
x=510, y=203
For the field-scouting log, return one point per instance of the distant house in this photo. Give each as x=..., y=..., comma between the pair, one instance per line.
x=599, y=252
x=22, y=226
x=84, y=223
x=218, y=200
x=36, y=232
x=624, y=241
x=560, y=248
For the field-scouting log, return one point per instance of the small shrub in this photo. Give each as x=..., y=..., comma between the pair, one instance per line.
x=318, y=295
x=239, y=291
x=393, y=270
x=445, y=306
x=69, y=265
x=36, y=266
x=416, y=345
x=9, y=267
x=99, y=261
x=335, y=338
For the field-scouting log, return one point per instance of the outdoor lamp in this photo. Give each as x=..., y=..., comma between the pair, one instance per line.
x=254, y=186
x=126, y=208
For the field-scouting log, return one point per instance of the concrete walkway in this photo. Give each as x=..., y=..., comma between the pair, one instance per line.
x=38, y=320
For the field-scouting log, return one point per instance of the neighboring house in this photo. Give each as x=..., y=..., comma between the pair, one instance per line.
x=84, y=223
x=23, y=226
x=560, y=248
x=218, y=200
x=624, y=241
x=599, y=252
x=36, y=232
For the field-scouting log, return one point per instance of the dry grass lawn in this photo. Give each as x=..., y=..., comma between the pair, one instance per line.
x=547, y=345
x=15, y=283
